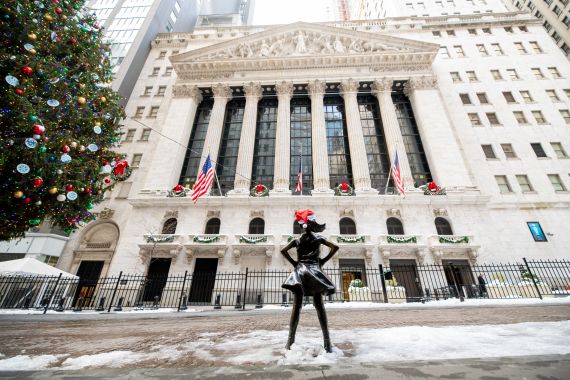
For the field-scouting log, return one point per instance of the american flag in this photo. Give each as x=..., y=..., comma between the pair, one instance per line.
x=397, y=175
x=204, y=181
x=300, y=180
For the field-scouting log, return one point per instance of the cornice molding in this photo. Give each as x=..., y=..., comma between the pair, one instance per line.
x=187, y=91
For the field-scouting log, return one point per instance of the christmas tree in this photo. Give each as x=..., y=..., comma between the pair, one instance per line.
x=59, y=117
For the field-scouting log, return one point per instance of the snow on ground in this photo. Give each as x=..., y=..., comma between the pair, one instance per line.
x=353, y=347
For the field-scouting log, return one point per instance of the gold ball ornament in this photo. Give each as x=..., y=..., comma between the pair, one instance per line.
x=103, y=99
x=98, y=123
x=52, y=190
x=81, y=85
x=32, y=36
x=82, y=148
x=73, y=144
x=48, y=17
x=18, y=194
x=33, y=51
x=81, y=100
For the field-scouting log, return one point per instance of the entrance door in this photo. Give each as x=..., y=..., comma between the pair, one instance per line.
x=156, y=278
x=203, y=280
x=351, y=269
x=405, y=272
x=88, y=273
x=459, y=278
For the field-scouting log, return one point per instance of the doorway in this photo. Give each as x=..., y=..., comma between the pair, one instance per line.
x=88, y=273
x=203, y=280
x=405, y=272
x=156, y=278
x=351, y=269
x=459, y=278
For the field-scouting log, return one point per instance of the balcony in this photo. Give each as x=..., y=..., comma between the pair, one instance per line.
x=253, y=245
x=401, y=247
x=353, y=246
x=453, y=247
x=160, y=245
x=208, y=245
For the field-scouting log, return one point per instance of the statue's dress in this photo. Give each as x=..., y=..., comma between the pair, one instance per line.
x=308, y=278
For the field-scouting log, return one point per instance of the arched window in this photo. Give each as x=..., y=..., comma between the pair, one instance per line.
x=169, y=227
x=213, y=226
x=347, y=226
x=442, y=226
x=395, y=226
x=256, y=226
x=297, y=228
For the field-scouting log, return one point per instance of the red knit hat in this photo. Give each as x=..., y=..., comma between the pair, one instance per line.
x=304, y=216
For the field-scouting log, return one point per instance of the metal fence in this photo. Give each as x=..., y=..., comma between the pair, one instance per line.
x=255, y=288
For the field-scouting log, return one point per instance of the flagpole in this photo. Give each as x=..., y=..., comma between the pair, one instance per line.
x=216, y=175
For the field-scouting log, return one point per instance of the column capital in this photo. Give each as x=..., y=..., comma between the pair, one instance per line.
x=316, y=87
x=222, y=91
x=382, y=85
x=253, y=90
x=284, y=89
x=420, y=83
x=187, y=91
x=349, y=86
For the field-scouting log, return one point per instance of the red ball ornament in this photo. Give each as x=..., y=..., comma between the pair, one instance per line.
x=27, y=200
x=18, y=91
x=73, y=40
x=107, y=180
x=27, y=70
x=88, y=65
x=37, y=182
x=58, y=11
x=65, y=149
x=96, y=26
x=69, y=187
x=57, y=39
x=87, y=191
x=56, y=1
x=38, y=129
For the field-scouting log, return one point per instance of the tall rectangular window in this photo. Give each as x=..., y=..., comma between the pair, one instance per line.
x=556, y=182
x=482, y=50
x=139, y=112
x=459, y=51
x=519, y=116
x=482, y=97
x=508, y=150
x=565, y=115
x=129, y=135
x=145, y=134
x=301, y=140
x=492, y=117
x=503, y=183
x=524, y=183
x=474, y=118
x=147, y=91
x=472, y=76
x=497, y=49
x=527, y=97
x=443, y=52
x=264, y=150
x=374, y=141
x=161, y=91
x=512, y=73
x=465, y=99
x=155, y=71
x=552, y=95
x=153, y=111
x=229, y=145
x=537, y=73
x=554, y=72
x=340, y=169
x=539, y=117
x=537, y=147
x=488, y=151
x=535, y=47
x=168, y=72
x=558, y=150
x=509, y=97
x=496, y=74
x=136, y=161
x=455, y=77
x=520, y=48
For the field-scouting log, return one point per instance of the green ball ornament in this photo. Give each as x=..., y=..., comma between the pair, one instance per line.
x=42, y=149
x=33, y=118
x=67, y=231
x=89, y=206
x=34, y=222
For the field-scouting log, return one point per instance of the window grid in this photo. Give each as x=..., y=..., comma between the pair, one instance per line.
x=137, y=158
x=524, y=183
x=139, y=112
x=496, y=74
x=161, y=91
x=153, y=111
x=537, y=148
x=565, y=115
x=556, y=182
x=552, y=95
x=264, y=151
x=482, y=97
x=520, y=117
x=512, y=73
x=145, y=134
x=558, y=150
x=340, y=169
x=130, y=135
x=472, y=76
x=474, y=118
x=527, y=97
x=488, y=151
x=492, y=118
x=465, y=99
x=301, y=140
x=193, y=155
x=508, y=151
x=455, y=77
x=539, y=117
x=503, y=183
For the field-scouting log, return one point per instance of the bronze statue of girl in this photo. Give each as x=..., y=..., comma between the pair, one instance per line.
x=308, y=279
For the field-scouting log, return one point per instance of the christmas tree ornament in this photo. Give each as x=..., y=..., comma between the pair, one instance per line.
x=69, y=187
x=18, y=194
x=12, y=80
x=23, y=168
x=32, y=36
x=48, y=17
x=65, y=149
x=27, y=70
x=38, y=129
x=61, y=197
x=81, y=100
x=27, y=200
x=52, y=190
x=37, y=182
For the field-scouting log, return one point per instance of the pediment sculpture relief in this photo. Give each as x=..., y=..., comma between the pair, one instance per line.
x=302, y=43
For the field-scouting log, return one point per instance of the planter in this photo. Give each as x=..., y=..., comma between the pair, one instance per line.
x=527, y=289
x=359, y=294
x=396, y=294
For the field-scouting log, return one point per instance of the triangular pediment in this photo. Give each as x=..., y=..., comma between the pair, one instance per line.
x=302, y=45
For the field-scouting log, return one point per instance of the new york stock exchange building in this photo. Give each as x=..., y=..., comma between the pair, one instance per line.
x=466, y=110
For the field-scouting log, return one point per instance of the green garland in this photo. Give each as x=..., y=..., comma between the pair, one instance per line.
x=207, y=240
x=346, y=239
x=254, y=240
x=454, y=240
x=403, y=239
x=157, y=239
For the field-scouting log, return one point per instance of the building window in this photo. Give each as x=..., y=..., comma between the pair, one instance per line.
x=474, y=118
x=519, y=115
x=482, y=50
x=229, y=145
x=130, y=135
x=539, y=117
x=565, y=115
x=256, y=226
x=526, y=97
x=557, y=10
x=535, y=47
x=161, y=91
x=520, y=48
x=147, y=90
x=566, y=19
x=509, y=29
x=558, y=150
x=436, y=33
x=139, y=112
x=567, y=92
x=472, y=32
x=524, y=183
x=459, y=51
x=169, y=226
x=340, y=168
x=394, y=226
x=509, y=97
x=264, y=150
x=537, y=148
x=556, y=37
x=450, y=33
x=537, y=73
x=556, y=182
x=472, y=76
x=153, y=111
x=565, y=48
x=496, y=74
x=145, y=134
x=465, y=98
x=443, y=52
x=488, y=151
x=492, y=117
x=442, y=226
x=174, y=52
x=212, y=227
x=547, y=26
x=482, y=97
x=162, y=54
x=193, y=155
x=508, y=150
x=374, y=141
x=455, y=77
x=512, y=73
x=155, y=71
x=523, y=29
x=168, y=72
x=301, y=140
x=554, y=72
x=497, y=49
x=552, y=95
x=347, y=226
x=136, y=161
x=486, y=31
x=503, y=183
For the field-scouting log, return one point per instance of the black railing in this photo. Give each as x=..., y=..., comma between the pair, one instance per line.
x=255, y=288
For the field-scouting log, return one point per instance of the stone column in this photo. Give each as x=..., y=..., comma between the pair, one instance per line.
x=283, y=139
x=440, y=142
x=253, y=92
x=222, y=94
x=360, y=169
x=321, y=181
x=166, y=164
x=382, y=89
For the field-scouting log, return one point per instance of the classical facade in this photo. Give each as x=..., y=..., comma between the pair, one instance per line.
x=455, y=97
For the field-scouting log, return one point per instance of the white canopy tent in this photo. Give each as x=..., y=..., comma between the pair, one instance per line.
x=29, y=266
